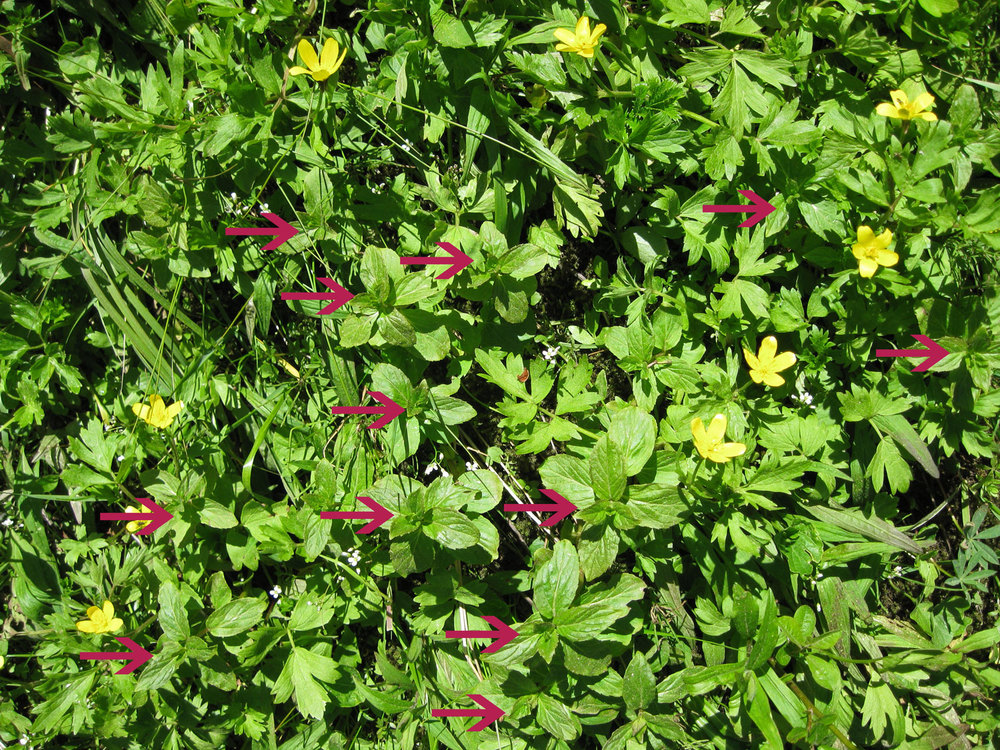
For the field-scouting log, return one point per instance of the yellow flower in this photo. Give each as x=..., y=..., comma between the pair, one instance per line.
x=709, y=441
x=581, y=41
x=133, y=526
x=322, y=67
x=871, y=251
x=101, y=620
x=903, y=109
x=765, y=366
x=157, y=413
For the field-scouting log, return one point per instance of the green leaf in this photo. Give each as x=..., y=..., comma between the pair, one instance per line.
x=236, y=617
x=938, y=8
x=173, y=617
x=607, y=470
x=570, y=477
x=557, y=580
x=635, y=432
x=639, y=686
x=557, y=719
x=451, y=529
x=217, y=516
x=904, y=434
x=309, y=614
x=598, y=550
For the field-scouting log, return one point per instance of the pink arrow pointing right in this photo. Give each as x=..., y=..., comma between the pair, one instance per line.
x=377, y=512
x=389, y=410
x=282, y=231
x=560, y=509
x=456, y=260
x=503, y=634
x=934, y=353
x=489, y=713
x=339, y=295
x=136, y=655
x=157, y=516
x=759, y=210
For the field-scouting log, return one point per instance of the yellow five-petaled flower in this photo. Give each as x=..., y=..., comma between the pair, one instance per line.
x=902, y=108
x=156, y=412
x=766, y=364
x=322, y=66
x=582, y=40
x=709, y=442
x=133, y=526
x=871, y=251
x=101, y=620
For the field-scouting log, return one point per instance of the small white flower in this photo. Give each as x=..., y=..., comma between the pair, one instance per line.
x=190, y=106
x=232, y=195
x=470, y=466
x=819, y=576
x=819, y=607
x=275, y=592
x=550, y=354
x=264, y=207
x=24, y=740
x=8, y=522
x=430, y=469
x=253, y=11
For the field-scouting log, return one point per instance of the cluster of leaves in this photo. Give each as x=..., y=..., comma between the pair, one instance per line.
x=803, y=593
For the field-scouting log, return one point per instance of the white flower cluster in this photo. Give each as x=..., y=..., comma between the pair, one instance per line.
x=470, y=466
x=353, y=558
x=275, y=593
x=550, y=353
x=432, y=467
x=805, y=398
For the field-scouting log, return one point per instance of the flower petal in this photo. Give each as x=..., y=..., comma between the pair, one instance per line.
x=865, y=235
x=929, y=116
x=698, y=430
x=716, y=431
x=109, y=609
x=883, y=240
x=887, y=110
x=598, y=32
x=87, y=626
x=867, y=267
x=757, y=376
x=329, y=54
x=297, y=70
x=717, y=456
x=566, y=36
x=773, y=379
x=782, y=362
x=751, y=359
x=886, y=258
x=731, y=450
x=114, y=624
x=922, y=102
x=767, y=349
x=340, y=60
x=92, y=611
x=321, y=74
x=585, y=52
x=899, y=98
x=308, y=54
x=583, y=28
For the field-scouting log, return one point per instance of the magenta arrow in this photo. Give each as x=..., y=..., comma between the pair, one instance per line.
x=760, y=208
x=339, y=295
x=559, y=510
x=934, y=353
x=136, y=655
x=389, y=410
x=489, y=713
x=503, y=634
x=157, y=516
x=457, y=260
x=282, y=231
x=378, y=515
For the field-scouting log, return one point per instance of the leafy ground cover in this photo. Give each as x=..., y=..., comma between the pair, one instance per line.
x=781, y=539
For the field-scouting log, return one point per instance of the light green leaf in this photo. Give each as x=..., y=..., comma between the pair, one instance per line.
x=557, y=580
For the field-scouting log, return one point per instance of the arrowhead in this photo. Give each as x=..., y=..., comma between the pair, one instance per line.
x=505, y=634
x=392, y=410
x=382, y=514
x=459, y=260
x=563, y=507
x=491, y=713
x=285, y=231
x=341, y=296
x=935, y=353
x=139, y=655
x=763, y=208
x=160, y=516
